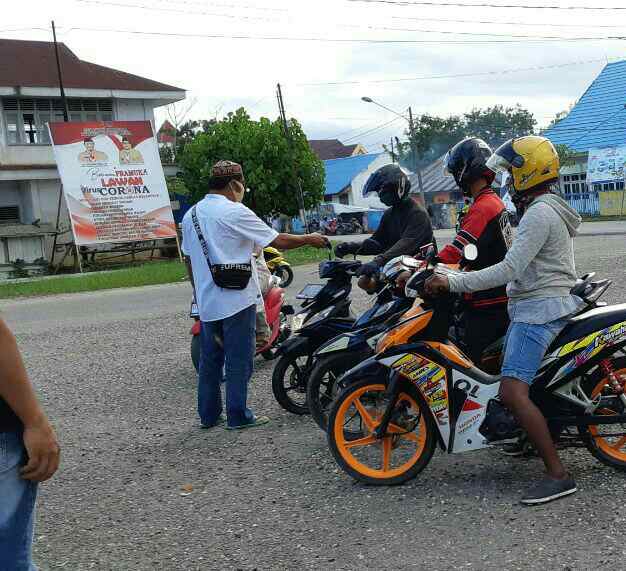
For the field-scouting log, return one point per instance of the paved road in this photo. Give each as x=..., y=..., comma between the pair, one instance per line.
x=605, y=228
x=114, y=373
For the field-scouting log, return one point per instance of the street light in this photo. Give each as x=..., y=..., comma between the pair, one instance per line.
x=409, y=119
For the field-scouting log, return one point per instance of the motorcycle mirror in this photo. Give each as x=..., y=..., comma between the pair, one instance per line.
x=470, y=252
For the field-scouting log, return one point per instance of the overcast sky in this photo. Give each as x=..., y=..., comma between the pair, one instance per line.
x=223, y=74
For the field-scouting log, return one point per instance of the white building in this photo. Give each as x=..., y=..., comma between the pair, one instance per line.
x=29, y=99
x=345, y=179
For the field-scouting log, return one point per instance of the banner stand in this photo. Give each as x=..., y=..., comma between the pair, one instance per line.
x=180, y=253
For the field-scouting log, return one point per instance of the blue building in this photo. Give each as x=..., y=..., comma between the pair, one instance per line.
x=597, y=121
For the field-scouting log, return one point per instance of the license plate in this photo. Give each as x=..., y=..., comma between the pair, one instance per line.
x=309, y=291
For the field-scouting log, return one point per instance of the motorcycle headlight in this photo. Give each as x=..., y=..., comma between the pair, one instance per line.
x=297, y=321
x=321, y=315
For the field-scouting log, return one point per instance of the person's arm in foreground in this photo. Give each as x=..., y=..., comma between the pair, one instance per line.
x=15, y=388
x=291, y=241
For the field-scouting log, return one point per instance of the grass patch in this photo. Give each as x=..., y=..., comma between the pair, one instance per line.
x=153, y=273
x=306, y=255
x=147, y=274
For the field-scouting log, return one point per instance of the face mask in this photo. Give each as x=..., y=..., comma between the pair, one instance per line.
x=388, y=197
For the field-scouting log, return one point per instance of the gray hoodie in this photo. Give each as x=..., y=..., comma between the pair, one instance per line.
x=540, y=263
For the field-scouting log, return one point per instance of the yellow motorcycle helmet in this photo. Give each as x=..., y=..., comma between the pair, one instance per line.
x=532, y=161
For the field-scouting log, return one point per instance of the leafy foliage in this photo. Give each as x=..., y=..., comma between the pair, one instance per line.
x=271, y=166
x=566, y=155
x=433, y=135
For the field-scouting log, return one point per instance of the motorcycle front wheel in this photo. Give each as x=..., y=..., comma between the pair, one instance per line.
x=289, y=381
x=401, y=454
x=285, y=273
x=321, y=386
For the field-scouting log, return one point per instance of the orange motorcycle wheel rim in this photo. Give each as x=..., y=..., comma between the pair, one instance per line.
x=390, y=443
x=614, y=446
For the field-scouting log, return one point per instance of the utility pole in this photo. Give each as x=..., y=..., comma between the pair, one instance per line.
x=66, y=116
x=416, y=167
x=283, y=116
x=393, y=156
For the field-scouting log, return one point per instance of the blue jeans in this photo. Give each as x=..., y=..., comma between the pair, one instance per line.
x=17, y=506
x=525, y=346
x=226, y=355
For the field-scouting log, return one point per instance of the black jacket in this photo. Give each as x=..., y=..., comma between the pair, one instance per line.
x=403, y=230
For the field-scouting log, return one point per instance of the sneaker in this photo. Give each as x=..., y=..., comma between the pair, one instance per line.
x=256, y=421
x=549, y=489
x=519, y=448
x=221, y=420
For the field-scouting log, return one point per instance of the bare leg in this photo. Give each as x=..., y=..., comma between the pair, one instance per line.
x=514, y=395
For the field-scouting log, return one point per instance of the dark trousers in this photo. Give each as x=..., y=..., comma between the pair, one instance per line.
x=483, y=327
x=227, y=355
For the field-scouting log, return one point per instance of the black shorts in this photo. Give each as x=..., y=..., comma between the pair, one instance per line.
x=483, y=327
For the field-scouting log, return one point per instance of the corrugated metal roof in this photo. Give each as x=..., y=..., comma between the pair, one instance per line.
x=599, y=118
x=341, y=172
x=433, y=179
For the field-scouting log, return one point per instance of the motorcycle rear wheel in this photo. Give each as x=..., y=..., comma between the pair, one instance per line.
x=368, y=459
x=599, y=439
x=321, y=388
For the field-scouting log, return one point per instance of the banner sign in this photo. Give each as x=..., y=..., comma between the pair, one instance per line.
x=606, y=165
x=113, y=181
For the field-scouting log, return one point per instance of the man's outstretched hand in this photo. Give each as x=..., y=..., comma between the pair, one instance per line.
x=317, y=240
x=437, y=285
x=43, y=451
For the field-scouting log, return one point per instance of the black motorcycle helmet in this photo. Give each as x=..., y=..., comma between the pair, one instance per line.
x=390, y=183
x=467, y=162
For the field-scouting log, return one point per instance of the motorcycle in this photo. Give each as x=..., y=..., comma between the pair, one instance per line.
x=344, y=351
x=278, y=266
x=420, y=391
x=276, y=314
x=325, y=311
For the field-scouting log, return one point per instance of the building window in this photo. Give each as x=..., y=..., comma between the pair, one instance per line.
x=26, y=119
x=9, y=214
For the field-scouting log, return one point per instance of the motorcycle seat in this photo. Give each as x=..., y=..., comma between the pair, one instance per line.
x=589, y=322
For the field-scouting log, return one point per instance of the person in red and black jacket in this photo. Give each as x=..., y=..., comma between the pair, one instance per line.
x=486, y=225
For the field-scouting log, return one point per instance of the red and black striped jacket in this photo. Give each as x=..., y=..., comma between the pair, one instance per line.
x=486, y=225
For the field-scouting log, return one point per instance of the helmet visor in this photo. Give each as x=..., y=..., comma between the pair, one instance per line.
x=505, y=159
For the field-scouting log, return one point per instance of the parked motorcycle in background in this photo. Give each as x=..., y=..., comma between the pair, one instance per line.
x=278, y=266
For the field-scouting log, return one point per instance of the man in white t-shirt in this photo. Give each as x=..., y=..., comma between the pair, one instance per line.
x=231, y=232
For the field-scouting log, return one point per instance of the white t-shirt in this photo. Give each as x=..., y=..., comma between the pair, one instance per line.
x=232, y=232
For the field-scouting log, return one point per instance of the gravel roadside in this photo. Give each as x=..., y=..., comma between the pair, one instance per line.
x=142, y=487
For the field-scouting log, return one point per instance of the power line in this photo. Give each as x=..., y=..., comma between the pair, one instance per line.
x=485, y=5
x=452, y=76
x=373, y=28
x=330, y=40
x=537, y=24
x=219, y=5
x=375, y=129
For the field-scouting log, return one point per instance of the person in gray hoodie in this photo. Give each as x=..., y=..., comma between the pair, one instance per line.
x=540, y=272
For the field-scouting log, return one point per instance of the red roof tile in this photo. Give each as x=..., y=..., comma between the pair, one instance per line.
x=33, y=64
x=327, y=149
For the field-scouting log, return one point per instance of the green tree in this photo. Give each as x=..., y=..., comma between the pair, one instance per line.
x=567, y=156
x=498, y=124
x=271, y=166
x=433, y=135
